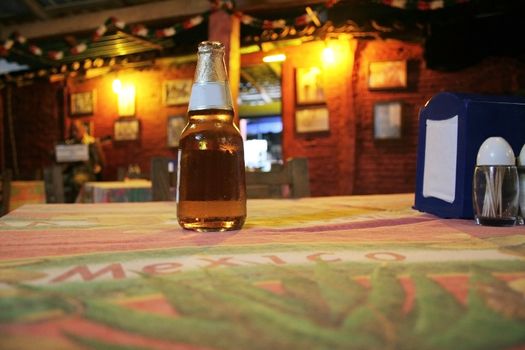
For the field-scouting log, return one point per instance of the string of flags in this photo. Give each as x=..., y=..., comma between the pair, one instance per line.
x=317, y=16
x=139, y=30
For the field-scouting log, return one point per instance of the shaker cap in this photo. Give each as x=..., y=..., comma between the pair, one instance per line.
x=521, y=158
x=495, y=151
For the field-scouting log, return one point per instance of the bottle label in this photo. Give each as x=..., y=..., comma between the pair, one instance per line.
x=210, y=95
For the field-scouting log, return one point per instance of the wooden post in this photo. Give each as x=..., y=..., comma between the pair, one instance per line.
x=227, y=30
x=298, y=171
x=5, y=191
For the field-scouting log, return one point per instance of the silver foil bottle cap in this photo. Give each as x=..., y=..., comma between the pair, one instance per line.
x=208, y=46
x=210, y=88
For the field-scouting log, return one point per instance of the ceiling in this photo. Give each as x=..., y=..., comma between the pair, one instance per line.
x=13, y=12
x=260, y=84
x=460, y=34
x=454, y=37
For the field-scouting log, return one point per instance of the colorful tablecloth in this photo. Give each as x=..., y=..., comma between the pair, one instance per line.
x=115, y=191
x=363, y=272
x=26, y=192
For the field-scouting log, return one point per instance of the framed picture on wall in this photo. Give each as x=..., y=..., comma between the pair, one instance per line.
x=82, y=103
x=312, y=119
x=387, y=120
x=387, y=75
x=126, y=129
x=177, y=92
x=175, y=126
x=309, y=86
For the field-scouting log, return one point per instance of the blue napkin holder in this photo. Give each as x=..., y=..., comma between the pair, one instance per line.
x=452, y=127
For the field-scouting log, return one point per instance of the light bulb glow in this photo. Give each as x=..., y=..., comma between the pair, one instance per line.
x=274, y=58
x=126, y=100
x=117, y=86
x=328, y=55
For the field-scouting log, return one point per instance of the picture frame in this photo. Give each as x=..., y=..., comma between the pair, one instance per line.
x=388, y=119
x=126, y=129
x=174, y=128
x=82, y=103
x=312, y=119
x=309, y=85
x=387, y=75
x=177, y=91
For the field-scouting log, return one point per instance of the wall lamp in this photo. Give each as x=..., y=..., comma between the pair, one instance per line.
x=274, y=58
x=126, y=98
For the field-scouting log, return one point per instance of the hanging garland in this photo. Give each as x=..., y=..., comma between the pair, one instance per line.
x=142, y=31
x=317, y=16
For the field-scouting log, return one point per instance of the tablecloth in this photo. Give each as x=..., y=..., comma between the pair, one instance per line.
x=115, y=191
x=26, y=192
x=358, y=272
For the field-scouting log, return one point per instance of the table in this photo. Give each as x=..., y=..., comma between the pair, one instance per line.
x=26, y=192
x=358, y=272
x=137, y=190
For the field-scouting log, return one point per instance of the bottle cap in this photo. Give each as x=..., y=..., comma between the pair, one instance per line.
x=208, y=46
x=495, y=151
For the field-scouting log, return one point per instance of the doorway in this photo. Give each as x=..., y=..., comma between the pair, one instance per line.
x=260, y=115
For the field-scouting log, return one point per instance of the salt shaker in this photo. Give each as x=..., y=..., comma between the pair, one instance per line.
x=495, y=188
x=521, y=174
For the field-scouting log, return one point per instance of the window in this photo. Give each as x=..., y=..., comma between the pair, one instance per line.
x=260, y=115
x=263, y=142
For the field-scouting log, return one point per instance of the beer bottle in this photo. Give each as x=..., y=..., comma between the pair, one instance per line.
x=211, y=179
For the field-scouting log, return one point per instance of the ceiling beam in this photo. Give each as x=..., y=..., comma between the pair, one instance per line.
x=36, y=9
x=253, y=5
x=255, y=83
x=90, y=21
x=152, y=11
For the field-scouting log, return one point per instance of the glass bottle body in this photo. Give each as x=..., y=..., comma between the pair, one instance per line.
x=495, y=195
x=212, y=188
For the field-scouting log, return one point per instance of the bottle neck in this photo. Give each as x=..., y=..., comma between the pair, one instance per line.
x=210, y=89
x=210, y=67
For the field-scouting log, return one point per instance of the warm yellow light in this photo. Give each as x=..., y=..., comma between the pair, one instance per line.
x=274, y=58
x=117, y=86
x=126, y=101
x=328, y=55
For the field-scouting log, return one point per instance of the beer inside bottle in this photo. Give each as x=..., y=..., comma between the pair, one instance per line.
x=211, y=179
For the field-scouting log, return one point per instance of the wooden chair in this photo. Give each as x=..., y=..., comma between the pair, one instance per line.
x=5, y=191
x=54, y=184
x=292, y=180
x=163, y=178
x=121, y=173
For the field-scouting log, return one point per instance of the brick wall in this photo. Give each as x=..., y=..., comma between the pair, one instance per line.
x=347, y=159
x=34, y=129
x=150, y=110
x=344, y=160
x=390, y=166
x=330, y=153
